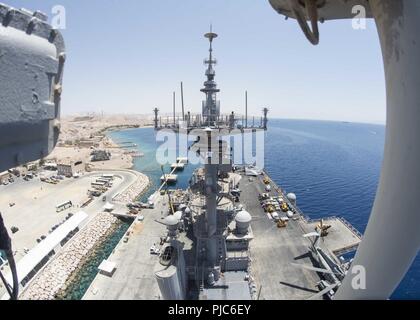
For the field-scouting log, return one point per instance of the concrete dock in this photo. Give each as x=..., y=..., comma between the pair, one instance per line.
x=133, y=278
x=178, y=166
x=170, y=178
x=35, y=212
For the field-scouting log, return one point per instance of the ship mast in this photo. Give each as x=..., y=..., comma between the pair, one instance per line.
x=209, y=217
x=211, y=107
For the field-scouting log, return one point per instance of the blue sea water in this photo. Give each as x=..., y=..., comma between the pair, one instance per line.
x=333, y=167
x=145, y=138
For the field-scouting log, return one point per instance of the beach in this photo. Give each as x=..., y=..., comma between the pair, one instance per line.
x=80, y=135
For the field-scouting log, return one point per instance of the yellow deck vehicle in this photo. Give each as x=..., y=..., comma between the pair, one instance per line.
x=281, y=224
x=271, y=209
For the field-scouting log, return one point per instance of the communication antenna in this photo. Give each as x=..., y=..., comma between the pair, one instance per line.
x=174, y=106
x=246, y=109
x=182, y=101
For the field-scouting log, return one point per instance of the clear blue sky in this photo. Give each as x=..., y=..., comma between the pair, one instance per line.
x=128, y=56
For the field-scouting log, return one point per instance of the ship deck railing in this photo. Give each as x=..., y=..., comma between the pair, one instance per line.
x=356, y=232
x=309, y=220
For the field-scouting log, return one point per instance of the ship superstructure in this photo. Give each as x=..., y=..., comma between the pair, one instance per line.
x=234, y=230
x=211, y=115
x=212, y=212
x=218, y=265
x=233, y=234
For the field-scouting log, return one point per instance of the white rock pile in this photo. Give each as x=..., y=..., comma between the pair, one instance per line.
x=54, y=276
x=132, y=192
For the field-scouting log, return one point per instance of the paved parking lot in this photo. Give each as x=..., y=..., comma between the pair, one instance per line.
x=34, y=212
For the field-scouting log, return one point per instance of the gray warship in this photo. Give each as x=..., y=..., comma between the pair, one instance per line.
x=218, y=239
x=233, y=234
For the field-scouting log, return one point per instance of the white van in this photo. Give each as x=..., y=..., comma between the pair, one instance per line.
x=275, y=216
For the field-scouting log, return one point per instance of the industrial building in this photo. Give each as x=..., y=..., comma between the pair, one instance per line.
x=100, y=155
x=65, y=169
x=4, y=177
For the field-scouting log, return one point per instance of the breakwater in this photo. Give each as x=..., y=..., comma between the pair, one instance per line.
x=60, y=273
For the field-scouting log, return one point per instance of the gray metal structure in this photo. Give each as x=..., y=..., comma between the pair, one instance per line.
x=246, y=109
x=210, y=111
x=209, y=148
x=182, y=102
x=211, y=107
x=385, y=258
x=265, y=119
x=156, y=118
x=174, y=106
x=32, y=57
x=209, y=225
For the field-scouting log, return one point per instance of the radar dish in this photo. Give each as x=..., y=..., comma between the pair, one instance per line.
x=211, y=35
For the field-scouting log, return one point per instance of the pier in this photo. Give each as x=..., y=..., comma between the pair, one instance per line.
x=169, y=178
x=178, y=166
x=45, y=240
x=133, y=277
x=183, y=160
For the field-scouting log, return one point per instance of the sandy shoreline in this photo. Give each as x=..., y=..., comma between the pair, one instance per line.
x=80, y=136
x=113, y=144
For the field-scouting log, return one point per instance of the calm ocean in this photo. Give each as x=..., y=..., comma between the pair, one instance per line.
x=333, y=167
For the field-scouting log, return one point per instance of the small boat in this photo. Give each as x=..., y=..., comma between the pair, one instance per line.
x=169, y=178
x=178, y=166
x=182, y=160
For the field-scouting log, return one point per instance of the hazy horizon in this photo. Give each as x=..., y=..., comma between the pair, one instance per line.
x=129, y=56
x=92, y=113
